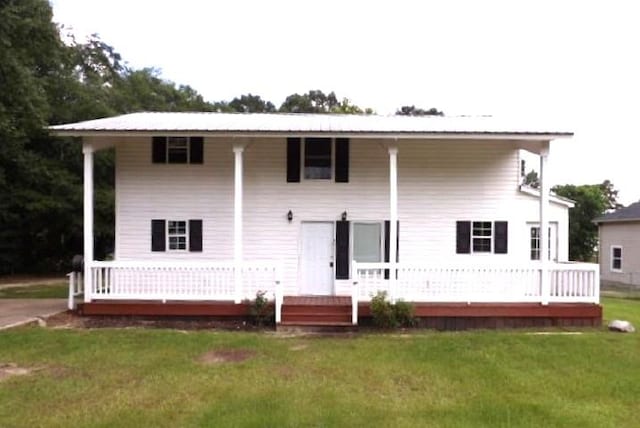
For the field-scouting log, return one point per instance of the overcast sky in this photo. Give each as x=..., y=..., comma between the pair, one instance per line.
x=571, y=62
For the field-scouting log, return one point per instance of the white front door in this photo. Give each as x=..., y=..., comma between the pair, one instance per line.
x=316, y=259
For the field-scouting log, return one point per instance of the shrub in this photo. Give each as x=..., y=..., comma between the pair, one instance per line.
x=261, y=310
x=388, y=315
x=404, y=313
x=382, y=311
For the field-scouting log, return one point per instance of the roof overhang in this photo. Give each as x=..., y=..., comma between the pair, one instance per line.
x=260, y=125
x=616, y=220
x=552, y=197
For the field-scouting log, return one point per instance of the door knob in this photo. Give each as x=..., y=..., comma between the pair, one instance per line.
x=330, y=264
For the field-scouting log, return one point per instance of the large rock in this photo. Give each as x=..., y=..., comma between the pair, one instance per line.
x=622, y=326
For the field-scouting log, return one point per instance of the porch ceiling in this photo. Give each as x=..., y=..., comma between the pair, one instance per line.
x=279, y=125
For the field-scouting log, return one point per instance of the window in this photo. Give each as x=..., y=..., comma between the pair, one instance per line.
x=616, y=258
x=367, y=242
x=177, y=149
x=177, y=235
x=317, y=158
x=481, y=236
x=535, y=243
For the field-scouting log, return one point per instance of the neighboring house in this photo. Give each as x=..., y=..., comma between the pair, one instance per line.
x=216, y=206
x=619, y=245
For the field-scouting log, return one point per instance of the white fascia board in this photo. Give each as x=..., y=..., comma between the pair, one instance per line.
x=283, y=134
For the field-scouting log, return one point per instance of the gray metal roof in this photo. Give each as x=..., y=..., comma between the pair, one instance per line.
x=630, y=213
x=278, y=123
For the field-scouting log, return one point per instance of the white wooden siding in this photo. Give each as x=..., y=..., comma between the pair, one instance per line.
x=439, y=182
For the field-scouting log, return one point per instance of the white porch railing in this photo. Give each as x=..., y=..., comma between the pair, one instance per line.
x=76, y=288
x=568, y=282
x=181, y=280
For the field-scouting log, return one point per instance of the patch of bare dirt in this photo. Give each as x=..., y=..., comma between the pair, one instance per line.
x=298, y=347
x=219, y=356
x=8, y=370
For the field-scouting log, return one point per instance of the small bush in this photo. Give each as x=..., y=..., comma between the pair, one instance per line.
x=261, y=310
x=382, y=311
x=388, y=315
x=404, y=313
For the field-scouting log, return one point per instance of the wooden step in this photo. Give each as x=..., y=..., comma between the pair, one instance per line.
x=334, y=309
x=316, y=318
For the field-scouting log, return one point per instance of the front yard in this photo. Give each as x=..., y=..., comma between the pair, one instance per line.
x=153, y=377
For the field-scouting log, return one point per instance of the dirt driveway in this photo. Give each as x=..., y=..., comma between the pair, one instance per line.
x=14, y=312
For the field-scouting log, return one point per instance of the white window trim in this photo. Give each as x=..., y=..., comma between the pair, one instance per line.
x=186, y=237
x=333, y=161
x=491, y=238
x=353, y=238
x=615, y=247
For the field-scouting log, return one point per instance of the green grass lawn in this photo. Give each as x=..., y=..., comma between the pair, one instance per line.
x=152, y=377
x=41, y=291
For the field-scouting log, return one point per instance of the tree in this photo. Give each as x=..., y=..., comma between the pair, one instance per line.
x=314, y=101
x=531, y=179
x=251, y=104
x=592, y=200
x=44, y=81
x=414, y=111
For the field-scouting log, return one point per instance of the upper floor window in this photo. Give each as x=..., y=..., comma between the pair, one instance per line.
x=616, y=258
x=177, y=149
x=317, y=158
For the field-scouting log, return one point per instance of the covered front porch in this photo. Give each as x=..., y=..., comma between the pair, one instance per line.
x=225, y=289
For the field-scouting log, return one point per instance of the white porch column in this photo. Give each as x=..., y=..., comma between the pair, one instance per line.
x=87, y=151
x=544, y=223
x=393, y=218
x=237, y=220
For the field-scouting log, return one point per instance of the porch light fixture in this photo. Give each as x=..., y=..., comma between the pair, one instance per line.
x=289, y=216
x=344, y=216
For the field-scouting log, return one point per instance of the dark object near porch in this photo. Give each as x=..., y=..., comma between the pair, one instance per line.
x=77, y=263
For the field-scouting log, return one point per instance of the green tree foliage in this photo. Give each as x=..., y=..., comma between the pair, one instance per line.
x=45, y=81
x=592, y=200
x=316, y=101
x=531, y=179
x=415, y=111
x=251, y=104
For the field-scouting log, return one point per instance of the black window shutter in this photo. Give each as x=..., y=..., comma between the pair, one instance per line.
x=196, y=150
x=387, y=237
x=342, y=250
x=158, y=239
x=501, y=245
x=195, y=235
x=159, y=150
x=293, y=160
x=463, y=237
x=342, y=160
